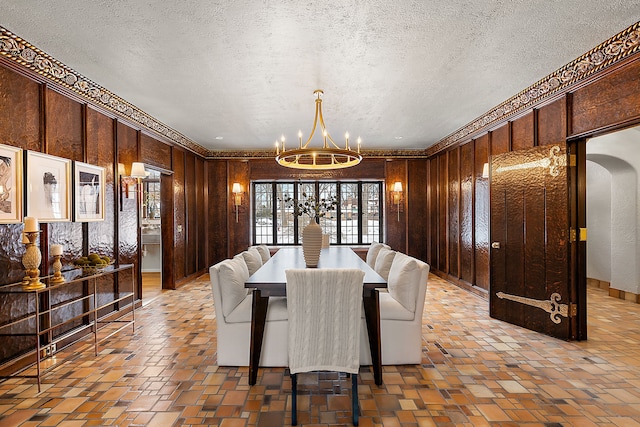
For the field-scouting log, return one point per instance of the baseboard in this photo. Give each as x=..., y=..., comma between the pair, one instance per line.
x=614, y=293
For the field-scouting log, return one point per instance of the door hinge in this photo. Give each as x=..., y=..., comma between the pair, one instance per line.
x=573, y=235
x=573, y=310
x=572, y=160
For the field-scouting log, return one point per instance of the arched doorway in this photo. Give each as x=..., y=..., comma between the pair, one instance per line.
x=612, y=212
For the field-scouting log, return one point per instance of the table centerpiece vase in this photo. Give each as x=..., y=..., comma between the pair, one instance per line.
x=311, y=243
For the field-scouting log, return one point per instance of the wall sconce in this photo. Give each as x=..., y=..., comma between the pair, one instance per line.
x=237, y=197
x=485, y=170
x=396, y=196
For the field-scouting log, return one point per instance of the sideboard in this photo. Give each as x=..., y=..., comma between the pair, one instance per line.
x=45, y=316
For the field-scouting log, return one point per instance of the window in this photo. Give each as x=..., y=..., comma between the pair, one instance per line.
x=356, y=220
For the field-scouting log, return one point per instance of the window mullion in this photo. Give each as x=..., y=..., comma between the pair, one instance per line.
x=317, y=195
x=296, y=218
x=380, y=212
x=255, y=209
x=360, y=228
x=274, y=213
x=339, y=214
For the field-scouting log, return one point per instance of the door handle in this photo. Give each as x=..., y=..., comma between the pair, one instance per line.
x=495, y=245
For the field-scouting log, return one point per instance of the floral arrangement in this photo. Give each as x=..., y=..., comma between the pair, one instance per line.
x=311, y=205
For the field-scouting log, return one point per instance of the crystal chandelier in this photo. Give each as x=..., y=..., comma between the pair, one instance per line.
x=329, y=156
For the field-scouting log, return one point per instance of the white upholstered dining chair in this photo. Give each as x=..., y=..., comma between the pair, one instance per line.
x=232, y=304
x=324, y=307
x=264, y=252
x=372, y=253
x=401, y=310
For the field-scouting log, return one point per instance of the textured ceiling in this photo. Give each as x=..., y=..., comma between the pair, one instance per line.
x=401, y=74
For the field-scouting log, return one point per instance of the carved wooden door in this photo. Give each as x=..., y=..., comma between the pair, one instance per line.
x=531, y=283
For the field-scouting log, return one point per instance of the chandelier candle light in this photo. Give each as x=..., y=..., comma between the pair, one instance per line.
x=329, y=156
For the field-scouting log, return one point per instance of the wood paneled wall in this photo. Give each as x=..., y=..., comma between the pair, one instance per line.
x=35, y=115
x=239, y=233
x=608, y=102
x=217, y=211
x=445, y=211
x=481, y=214
x=229, y=237
x=396, y=226
x=457, y=194
x=416, y=199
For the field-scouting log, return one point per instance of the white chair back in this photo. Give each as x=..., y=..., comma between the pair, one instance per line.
x=324, y=308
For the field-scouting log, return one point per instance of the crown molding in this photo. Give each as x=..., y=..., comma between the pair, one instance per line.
x=28, y=56
x=612, y=51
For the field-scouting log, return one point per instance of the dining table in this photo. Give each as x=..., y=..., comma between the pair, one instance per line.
x=270, y=280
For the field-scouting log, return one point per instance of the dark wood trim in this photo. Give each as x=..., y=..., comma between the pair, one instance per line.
x=117, y=191
x=227, y=203
x=578, y=268
x=43, y=118
x=406, y=197
x=185, y=229
x=535, y=126
x=474, y=178
x=461, y=283
x=139, y=199
x=569, y=108
x=83, y=112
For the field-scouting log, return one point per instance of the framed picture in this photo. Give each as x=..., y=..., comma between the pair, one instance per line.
x=48, y=193
x=10, y=184
x=88, y=191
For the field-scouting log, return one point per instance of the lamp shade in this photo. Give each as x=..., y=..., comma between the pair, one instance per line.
x=236, y=188
x=137, y=170
x=485, y=170
x=397, y=186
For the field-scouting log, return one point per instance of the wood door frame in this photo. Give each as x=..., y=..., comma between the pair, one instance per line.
x=167, y=230
x=578, y=221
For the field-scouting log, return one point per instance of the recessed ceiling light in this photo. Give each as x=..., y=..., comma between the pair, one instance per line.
x=398, y=137
x=218, y=137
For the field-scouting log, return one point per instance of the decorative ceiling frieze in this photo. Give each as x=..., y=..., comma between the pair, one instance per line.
x=261, y=154
x=29, y=56
x=617, y=48
x=612, y=51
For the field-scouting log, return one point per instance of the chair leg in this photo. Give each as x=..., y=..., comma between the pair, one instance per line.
x=355, y=407
x=294, y=399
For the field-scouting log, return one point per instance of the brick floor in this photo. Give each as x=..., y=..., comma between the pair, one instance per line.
x=475, y=371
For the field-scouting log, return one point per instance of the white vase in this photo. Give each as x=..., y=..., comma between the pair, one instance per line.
x=311, y=243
